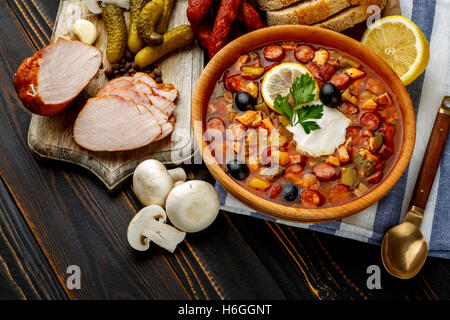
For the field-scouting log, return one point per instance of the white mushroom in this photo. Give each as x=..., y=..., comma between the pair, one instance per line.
x=193, y=205
x=149, y=226
x=95, y=6
x=152, y=182
x=85, y=31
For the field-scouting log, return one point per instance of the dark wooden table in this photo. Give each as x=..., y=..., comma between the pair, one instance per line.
x=53, y=215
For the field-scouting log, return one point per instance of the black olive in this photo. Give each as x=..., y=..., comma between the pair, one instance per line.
x=244, y=101
x=290, y=192
x=238, y=170
x=330, y=95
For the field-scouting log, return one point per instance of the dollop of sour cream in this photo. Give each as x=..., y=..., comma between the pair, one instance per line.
x=325, y=140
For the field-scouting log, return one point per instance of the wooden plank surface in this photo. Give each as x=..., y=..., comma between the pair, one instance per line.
x=51, y=137
x=75, y=221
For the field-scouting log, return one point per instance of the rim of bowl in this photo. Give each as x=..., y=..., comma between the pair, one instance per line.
x=315, y=36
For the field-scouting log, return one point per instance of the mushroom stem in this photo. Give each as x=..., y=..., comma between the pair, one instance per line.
x=163, y=235
x=177, y=174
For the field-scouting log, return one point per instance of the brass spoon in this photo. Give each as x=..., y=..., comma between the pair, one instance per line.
x=404, y=248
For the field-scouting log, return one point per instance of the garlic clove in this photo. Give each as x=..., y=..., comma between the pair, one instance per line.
x=85, y=31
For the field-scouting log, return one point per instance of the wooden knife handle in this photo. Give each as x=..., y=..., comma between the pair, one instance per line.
x=431, y=158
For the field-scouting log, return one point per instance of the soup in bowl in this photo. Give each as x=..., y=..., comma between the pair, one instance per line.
x=302, y=123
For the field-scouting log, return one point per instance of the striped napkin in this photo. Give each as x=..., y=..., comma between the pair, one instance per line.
x=426, y=93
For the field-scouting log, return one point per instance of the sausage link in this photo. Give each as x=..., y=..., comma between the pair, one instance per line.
x=370, y=120
x=348, y=108
x=204, y=33
x=311, y=198
x=340, y=80
x=304, y=53
x=340, y=193
x=226, y=15
x=324, y=171
x=233, y=83
x=216, y=124
x=293, y=173
x=197, y=10
x=273, y=52
x=250, y=17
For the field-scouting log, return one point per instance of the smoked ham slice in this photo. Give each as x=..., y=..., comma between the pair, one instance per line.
x=165, y=90
x=113, y=123
x=141, y=99
x=161, y=103
x=49, y=80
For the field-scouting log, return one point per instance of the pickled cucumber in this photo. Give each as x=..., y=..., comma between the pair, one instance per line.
x=134, y=41
x=116, y=30
x=163, y=22
x=150, y=15
x=178, y=37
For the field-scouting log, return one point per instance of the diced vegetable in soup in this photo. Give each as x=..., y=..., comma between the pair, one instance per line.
x=303, y=126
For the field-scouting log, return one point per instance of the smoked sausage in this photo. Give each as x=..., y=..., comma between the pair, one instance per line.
x=273, y=52
x=250, y=17
x=197, y=10
x=311, y=198
x=304, y=53
x=204, y=33
x=324, y=171
x=340, y=193
x=216, y=124
x=226, y=15
x=340, y=80
x=370, y=120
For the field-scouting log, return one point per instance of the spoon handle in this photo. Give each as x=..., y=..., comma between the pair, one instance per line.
x=432, y=156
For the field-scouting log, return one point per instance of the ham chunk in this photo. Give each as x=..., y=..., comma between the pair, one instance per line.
x=48, y=81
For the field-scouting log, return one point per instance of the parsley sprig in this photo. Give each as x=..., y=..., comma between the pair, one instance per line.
x=302, y=91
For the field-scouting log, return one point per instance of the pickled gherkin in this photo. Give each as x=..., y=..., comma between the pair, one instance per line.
x=178, y=37
x=116, y=30
x=163, y=22
x=349, y=177
x=150, y=15
x=134, y=40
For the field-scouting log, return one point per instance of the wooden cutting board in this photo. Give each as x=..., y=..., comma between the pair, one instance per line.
x=51, y=137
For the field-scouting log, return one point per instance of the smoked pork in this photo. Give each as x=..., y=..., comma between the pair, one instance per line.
x=161, y=118
x=49, y=80
x=114, y=123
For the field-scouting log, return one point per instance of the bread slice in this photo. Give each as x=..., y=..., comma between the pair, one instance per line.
x=312, y=11
x=348, y=18
x=277, y=4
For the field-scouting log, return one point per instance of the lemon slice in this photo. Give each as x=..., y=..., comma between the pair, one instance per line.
x=401, y=44
x=279, y=80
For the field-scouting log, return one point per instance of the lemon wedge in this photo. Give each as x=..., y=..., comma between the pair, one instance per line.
x=279, y=80
x=401, y=44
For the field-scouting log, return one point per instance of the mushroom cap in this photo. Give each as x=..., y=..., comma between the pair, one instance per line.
x=93, y=6
x=152, y=183
x=140, y=222
x=192, y=206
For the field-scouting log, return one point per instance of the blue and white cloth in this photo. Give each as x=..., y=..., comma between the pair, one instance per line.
x=432, y=17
